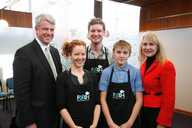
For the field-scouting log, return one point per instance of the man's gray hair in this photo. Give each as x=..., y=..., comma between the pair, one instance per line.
x=44, y=17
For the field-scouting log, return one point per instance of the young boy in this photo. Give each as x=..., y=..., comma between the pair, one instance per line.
x=121, y=90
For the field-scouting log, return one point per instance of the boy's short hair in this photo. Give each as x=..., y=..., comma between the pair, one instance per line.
x=122, y=44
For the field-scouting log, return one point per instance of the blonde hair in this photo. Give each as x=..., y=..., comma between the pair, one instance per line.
x=122, y=44
x=67, y=47
x=152, y=37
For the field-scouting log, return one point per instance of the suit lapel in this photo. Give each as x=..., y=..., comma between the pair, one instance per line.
x=42, y=59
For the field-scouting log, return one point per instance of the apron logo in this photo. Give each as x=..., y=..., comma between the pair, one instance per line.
x=119, y=95
x=97, y=69
x=83, y=97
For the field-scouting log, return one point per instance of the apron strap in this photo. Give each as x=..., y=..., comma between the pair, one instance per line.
x=110, y=79
x=87, y=51
x=106, y=53
x=129, y=78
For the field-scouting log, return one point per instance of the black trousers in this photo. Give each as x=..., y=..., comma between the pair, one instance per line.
x=149, y=116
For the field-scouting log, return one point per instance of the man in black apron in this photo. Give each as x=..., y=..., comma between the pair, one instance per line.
x=98, y=57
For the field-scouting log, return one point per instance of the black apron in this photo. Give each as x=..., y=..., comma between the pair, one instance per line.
x=96, y=65
x=81, y=103
x=121, y=100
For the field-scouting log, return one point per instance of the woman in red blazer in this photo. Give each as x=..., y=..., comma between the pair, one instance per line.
x=158, y=77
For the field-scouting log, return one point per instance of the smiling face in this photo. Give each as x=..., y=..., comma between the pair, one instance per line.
x=149, y=48
x=78, y=56
x=45, y=32
x=96, y=33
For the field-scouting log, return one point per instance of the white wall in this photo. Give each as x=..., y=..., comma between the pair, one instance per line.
x=13, y=38
x=178, y=46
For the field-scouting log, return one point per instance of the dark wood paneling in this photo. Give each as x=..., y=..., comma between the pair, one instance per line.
x=166, y=15
x=167, y=23
x=98, y=9
x=17, y=19
x=140, y=3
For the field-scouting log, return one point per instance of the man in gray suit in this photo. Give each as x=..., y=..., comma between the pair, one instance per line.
x=34, y=78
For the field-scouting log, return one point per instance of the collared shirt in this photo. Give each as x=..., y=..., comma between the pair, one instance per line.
x=104, y=51
x=120, y=76
x=43, y=46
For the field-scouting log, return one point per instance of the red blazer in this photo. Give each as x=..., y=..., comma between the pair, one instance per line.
x=160, y=78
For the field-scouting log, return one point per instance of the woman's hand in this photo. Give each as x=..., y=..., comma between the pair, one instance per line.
x=32, y=126
x=160, y=126
x=93, y=126
x=78, y=127
x=113, y=125
x=128, y=124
